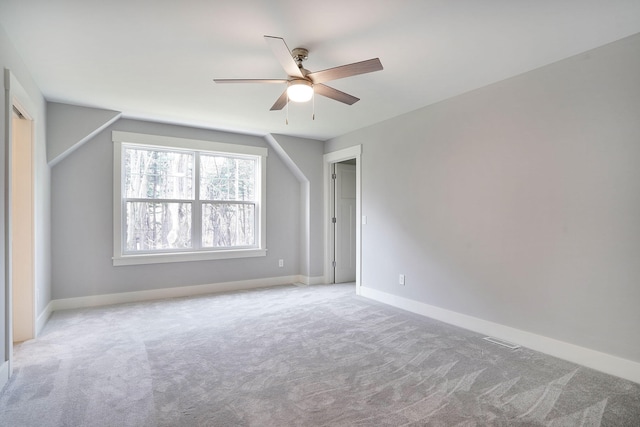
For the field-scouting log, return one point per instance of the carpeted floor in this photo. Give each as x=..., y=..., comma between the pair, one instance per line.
x=292, y=356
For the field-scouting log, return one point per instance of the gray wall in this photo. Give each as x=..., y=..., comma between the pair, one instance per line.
x=82, y=218
x=69, y=126
x=307, y=155
x=10, y=59
x=518, y=203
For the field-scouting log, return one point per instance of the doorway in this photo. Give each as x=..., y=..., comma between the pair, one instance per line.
x=19, y=313
x=347, y=155
x=22, y=223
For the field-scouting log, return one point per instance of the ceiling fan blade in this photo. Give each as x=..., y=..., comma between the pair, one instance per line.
x=283, y=55
x=280, y=102
x=343, y=71
x=250, y=80
x=335, y=94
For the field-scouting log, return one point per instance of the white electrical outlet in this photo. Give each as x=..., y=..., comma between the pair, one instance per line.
x=280, y=263
x=401, y=280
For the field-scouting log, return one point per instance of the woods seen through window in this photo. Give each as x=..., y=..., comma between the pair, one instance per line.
x=181, y=200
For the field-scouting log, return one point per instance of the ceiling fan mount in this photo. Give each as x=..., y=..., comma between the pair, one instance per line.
x=299, y=55
x=310, y=82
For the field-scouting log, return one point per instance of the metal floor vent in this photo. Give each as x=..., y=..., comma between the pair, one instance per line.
x=503, y=343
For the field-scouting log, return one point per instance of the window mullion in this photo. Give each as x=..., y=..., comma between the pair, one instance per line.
x=149, y=200
x=196, y=209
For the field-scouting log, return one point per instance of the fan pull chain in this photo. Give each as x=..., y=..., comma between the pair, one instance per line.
x=313, y=100
x=286, y=120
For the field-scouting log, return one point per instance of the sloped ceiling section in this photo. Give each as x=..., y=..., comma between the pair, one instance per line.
x=70, y=126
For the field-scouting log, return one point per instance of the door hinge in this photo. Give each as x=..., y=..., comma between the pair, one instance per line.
x=334, y=264
x=21, y=116
x=334, y=176
x=333, y=220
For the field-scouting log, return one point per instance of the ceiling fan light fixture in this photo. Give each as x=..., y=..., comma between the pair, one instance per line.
x=300, y=91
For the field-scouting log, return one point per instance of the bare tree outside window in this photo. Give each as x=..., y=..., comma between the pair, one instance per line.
x=160, y=201
x=229, y=184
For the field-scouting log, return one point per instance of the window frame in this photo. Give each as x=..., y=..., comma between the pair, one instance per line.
x=146, y=141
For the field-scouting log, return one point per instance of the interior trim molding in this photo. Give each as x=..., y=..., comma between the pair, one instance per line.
x=177, y=292
x=4, y=374
x=43, y=317
x=599, y=361
x=311, y=280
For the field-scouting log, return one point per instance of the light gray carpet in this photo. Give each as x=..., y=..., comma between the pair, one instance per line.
x=289, y=356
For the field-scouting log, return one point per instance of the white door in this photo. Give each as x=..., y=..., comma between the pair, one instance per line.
x=345, y=223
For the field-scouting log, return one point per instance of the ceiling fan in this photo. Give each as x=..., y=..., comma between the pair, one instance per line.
x=302, y=83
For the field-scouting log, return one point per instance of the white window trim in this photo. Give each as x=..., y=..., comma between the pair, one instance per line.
x=119, y=258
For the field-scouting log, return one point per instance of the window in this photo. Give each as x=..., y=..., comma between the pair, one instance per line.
x=185, y=200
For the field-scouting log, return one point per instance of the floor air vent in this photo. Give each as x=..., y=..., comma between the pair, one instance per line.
x=503, y=343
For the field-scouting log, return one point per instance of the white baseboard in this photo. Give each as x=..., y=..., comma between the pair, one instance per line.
x=43, y=317
x=311, y=280
x=4, y=374
x=155, y=294
x=599, y=361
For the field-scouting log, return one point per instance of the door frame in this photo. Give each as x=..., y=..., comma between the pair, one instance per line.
x=15, y=95
x=329, y=240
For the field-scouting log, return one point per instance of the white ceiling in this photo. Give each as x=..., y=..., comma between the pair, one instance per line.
x=155, y=59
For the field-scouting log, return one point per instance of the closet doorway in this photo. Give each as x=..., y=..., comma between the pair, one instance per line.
x=22, y=226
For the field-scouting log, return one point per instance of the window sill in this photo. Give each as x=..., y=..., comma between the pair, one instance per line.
x=186, y=256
